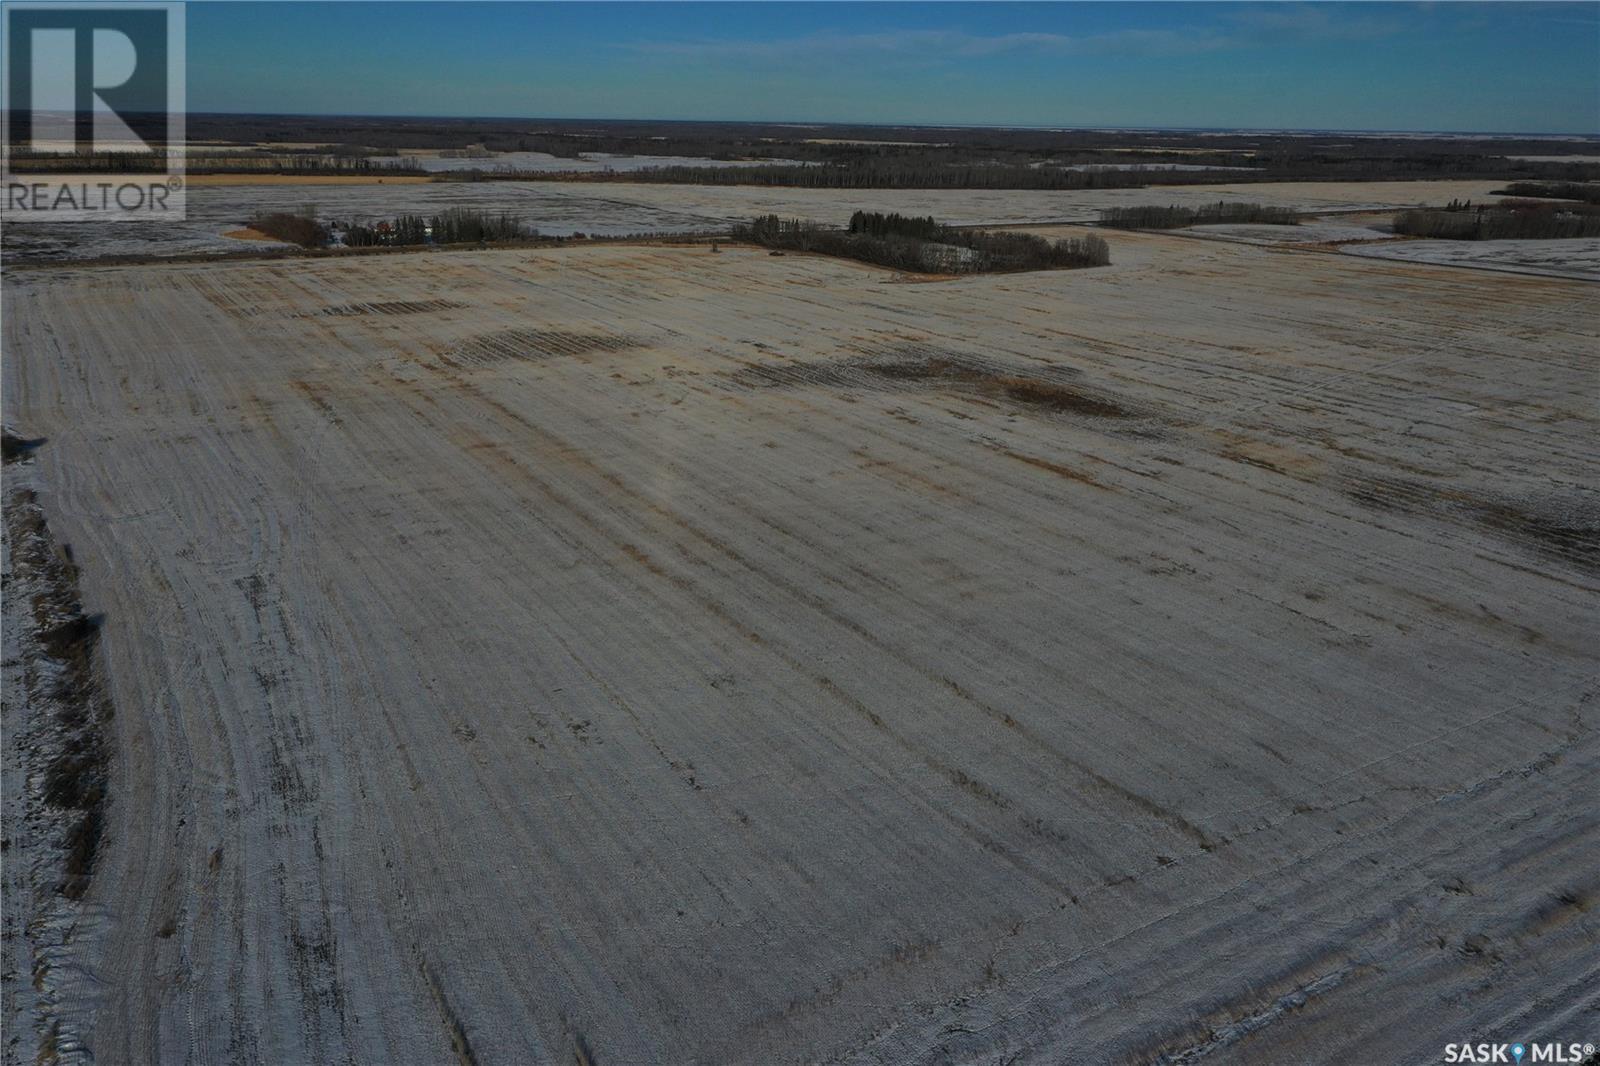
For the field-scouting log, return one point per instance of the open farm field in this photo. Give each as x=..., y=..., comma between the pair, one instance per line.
x=972, y=207
x=632, y=654
x=561, y=209
x=590, y=162
x=1576, y=257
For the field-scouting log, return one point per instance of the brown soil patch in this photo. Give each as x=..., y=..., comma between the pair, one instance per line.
x=910, y=365
x=248, y=234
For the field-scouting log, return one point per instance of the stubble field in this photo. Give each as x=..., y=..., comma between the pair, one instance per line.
x=651, y=655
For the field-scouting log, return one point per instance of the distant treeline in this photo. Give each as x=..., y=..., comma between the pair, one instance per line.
x=1588, y=192
x=1508, y=220
x=460, y=132
x=875, y=152
x=302, y=228
x=852, y=156
x=407, y=229
x=1176, y=216
x=924, y=246
x=884, y=175
x=458, y=225
x=932, y=172
x=1361, y=163
x=300, y=163
x=242, y=162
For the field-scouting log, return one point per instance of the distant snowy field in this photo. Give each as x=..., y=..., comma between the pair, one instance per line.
x=585, y=163
x=1576, y=258
x=1305, y=233
x=616, y=209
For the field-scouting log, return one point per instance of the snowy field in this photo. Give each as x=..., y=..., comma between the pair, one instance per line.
x=1135, y=166
x=1575, y=258
x=1312, y=231
x=1578, y=257
x=514, y=653
x=583, y=163
x=560, y=209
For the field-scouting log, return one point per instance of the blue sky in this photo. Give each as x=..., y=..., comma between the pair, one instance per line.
x=1517, y=67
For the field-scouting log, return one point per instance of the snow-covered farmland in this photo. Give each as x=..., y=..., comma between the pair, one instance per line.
x=657, y=656
x=583, y=163
x=1578, y=257
x=610, y=209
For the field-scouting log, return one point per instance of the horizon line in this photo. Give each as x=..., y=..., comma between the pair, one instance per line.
x=820, y=123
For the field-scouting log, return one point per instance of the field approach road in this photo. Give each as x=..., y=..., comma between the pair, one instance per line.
x=637, y=654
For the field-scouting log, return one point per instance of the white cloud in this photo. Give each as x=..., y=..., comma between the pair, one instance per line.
x=932, y=44
x=1258, y=26
x=1306, y=22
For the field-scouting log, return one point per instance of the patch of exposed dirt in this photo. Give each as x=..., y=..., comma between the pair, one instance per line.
x=248, y=234
x=1275, y=457
x=1048, y=390
x=904, y=278
x=1569, y=529
x=533, y=344
x=389, y=307
x=1563, y=526
x=1059, y=469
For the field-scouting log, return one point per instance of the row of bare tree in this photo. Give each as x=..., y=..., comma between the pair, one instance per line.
x=924, y=246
